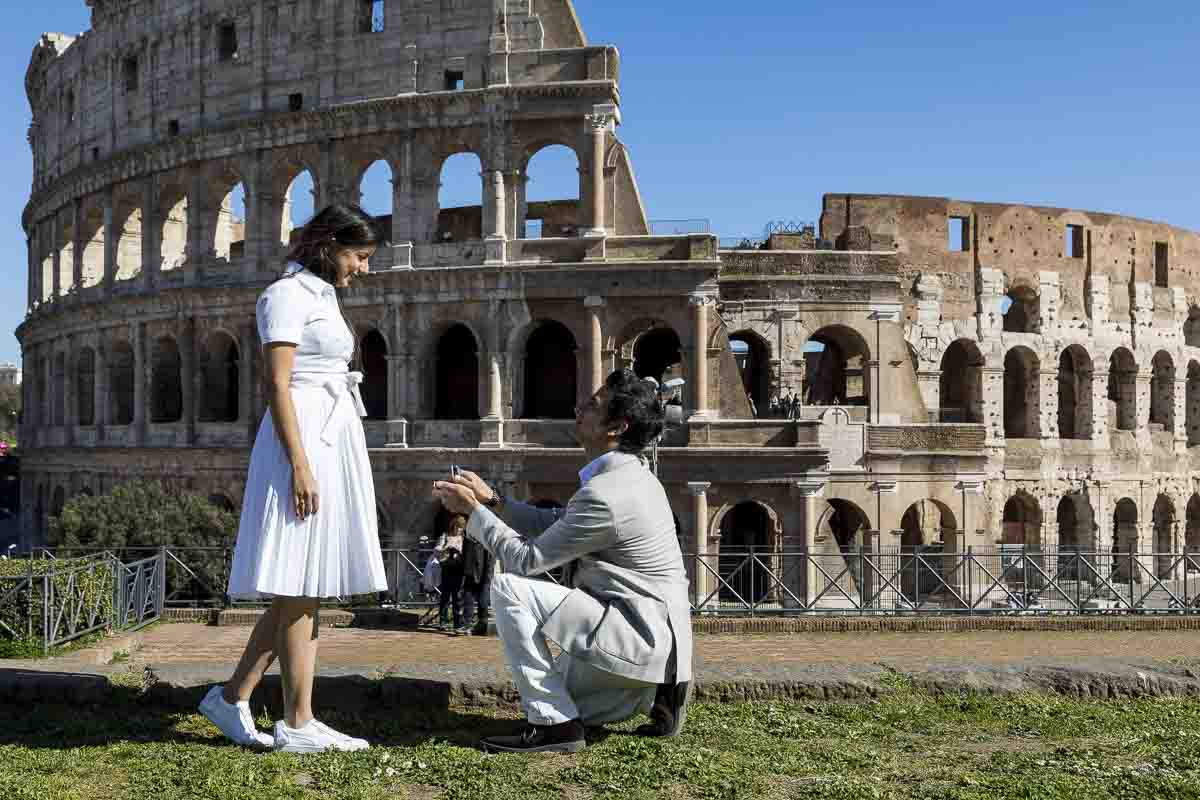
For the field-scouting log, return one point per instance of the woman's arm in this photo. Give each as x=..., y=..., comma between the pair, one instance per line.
x=280, y=358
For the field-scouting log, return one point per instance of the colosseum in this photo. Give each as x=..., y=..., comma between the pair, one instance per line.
x=915, y=374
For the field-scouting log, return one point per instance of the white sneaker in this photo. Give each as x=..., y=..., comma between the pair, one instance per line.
x=315, y=737
x=234, y=720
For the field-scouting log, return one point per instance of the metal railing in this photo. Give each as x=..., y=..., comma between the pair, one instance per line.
x=888, y=580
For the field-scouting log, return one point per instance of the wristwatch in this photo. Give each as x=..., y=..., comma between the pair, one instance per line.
x=495, y=501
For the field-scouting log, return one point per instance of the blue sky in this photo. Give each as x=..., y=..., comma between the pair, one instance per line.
x=746, y=113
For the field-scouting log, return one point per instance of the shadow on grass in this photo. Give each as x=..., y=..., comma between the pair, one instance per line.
x=66, y=710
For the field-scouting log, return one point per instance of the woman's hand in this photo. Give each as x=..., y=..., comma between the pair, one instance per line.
x=470, y=480
x=305, y=499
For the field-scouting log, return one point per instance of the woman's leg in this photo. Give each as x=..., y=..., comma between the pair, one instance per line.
x=296, y=646
x=256, y=659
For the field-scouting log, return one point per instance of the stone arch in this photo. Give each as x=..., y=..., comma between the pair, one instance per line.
x=1074, y=526
x=550, y=370
x=1192, y=404
x=553, y=190
x=1163, y=517
x=120, y=363
x=753, y=359
x=960, y=383
x=1075, y=393
x=173, y=223
x=1122, y=388
x=220, y=369
x=1162, y=391
x=374, y=353
x=66, y=250
x=85, y=387
x=748, y=527
x=1022, y=521
x=1191, y=327
x=925, y=523
x=375, y=191
x=835, y=368
x=456, y=388
x=652, y=349
x=225, y=223
x=91, y=239
x=299, y=205
x=1024, y=312
x=58, y=388
x=1022, y=394
x=456, y=222
x=1125, y=521
x=166, y=390
x=127, y=222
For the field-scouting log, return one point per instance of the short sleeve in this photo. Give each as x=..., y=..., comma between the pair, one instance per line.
x=282, y=311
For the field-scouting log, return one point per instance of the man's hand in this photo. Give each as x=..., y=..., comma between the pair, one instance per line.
x=455, y=497
x=469, y=479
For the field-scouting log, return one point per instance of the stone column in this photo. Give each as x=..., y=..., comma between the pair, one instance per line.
x=699, y=376
x=151, y=235
x=594, y=305
x=70, y=411
x=701, y=583
x=993, y=404
x=599, y=123
x=111, y=240
x=1100, y=431
x=1179, y=413
x=1048, y=406
x=1177, y=565
x=77, y=245
x=493, y=186
x=492, y=434
x=1142, y=393
x=140, y=368
x=248, y=352
x=56, y=287
x=809, y=491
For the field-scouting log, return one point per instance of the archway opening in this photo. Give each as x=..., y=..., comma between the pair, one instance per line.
x=835, y=373
x=1023, y=312
x=1074, y=394
x=173, y=230
x=1163, y=516
x=92, y=241
x=59, y=390
x=229, y=230
x=460, y=200
x=746, y=531
x=375, y=375
x=219, y=365
x=457, y=371
x=753, y=359
x=550, y=372
x=1021, y=394
x=85, y=387
x=1022, y=522
x=552, y=193
x=1191, y=327
x=376, y=194
x=1191, y=536
x=166, y=394
x=1122, y=388
x=1162, y=391
x=1192, y=403
x=129, y=240
x=120, y=384
x=960, y=384
x=657, y=354
x=923, y=530
x=299, y=206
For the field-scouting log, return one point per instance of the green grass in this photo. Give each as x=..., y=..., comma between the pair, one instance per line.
x=32, y=648
x=907, y=745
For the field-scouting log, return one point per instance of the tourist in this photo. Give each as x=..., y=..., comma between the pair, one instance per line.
x=477, y=574
x=449, y=552
x=308, y=524
x=623, y=620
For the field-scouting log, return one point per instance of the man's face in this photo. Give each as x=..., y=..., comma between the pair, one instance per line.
x=591, y=431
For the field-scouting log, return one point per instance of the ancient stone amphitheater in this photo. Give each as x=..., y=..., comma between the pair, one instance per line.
x=972, y=377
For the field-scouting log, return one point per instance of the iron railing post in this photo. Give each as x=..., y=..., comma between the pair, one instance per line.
x=161, y=599
x=29, y=599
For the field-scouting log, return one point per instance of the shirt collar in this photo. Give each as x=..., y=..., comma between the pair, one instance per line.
x=310, y=280
x=603, y=463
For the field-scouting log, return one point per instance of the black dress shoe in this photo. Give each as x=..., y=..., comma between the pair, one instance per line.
x=669, y=711
x=566, y=737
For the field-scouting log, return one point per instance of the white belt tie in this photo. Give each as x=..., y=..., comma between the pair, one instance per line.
x=344, y=388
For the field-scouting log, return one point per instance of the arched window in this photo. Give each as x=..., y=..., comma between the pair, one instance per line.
x=85, y=387
x=166, y=389
x=1022, y=394
x=550, y=373
x=120, y=384
x=129, y=238
x=1022, y=522
x=1191, y=536
x=173, y=230
x=460, y=205
x=59, y=389
x=657, y=354
x=375, y=375
x=1074, y=394
x=219, y=363
x=1071, y=535
x=229, y=226
x=960, y=384
x=299, y=206
x=1164, y=535
x=66, y=250
x=746, y=530
x=92, y=241
x=1023, y=312
x=1162, y=391
x=1122, y=388
x=457, y=387
x=835, y=360
x=552, y=192
x=1191, y=327
x=754, y=362
x=923, y=529
x=1192, y=411
x=375, y=192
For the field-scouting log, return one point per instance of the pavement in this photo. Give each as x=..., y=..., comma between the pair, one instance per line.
x=171, y=664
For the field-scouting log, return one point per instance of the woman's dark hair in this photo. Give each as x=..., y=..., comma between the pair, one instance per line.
x=635, y=401
x=337, y=226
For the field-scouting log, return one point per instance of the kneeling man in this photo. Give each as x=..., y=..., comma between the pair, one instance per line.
x=623, y=619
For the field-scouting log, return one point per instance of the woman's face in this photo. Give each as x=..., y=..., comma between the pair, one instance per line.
x=351, y=263
x=457, y=527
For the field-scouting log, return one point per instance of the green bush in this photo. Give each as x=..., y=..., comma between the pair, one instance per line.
x=16, y=606
x=139, y=516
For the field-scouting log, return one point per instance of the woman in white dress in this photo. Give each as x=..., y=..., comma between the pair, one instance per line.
x=308, y=525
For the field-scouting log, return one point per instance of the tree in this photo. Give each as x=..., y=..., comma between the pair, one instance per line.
x=10, y=407
x=141, y=515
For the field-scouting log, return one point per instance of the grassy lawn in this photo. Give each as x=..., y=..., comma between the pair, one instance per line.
x=907, y=745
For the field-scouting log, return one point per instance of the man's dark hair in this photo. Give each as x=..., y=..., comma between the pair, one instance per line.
x=635, y=401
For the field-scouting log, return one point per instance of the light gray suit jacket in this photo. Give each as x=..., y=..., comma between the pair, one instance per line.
x=628, y=612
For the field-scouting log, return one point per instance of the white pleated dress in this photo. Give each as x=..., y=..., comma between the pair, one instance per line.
x=335, y=552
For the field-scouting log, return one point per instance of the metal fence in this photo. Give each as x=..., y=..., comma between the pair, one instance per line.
x=1004, y=580
x=63, y=599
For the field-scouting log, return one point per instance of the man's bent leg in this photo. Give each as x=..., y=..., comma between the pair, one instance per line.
x=521, y=605
x=603, y=697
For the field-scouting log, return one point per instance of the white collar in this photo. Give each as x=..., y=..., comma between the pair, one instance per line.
x=309, y=280
x=603, y=463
